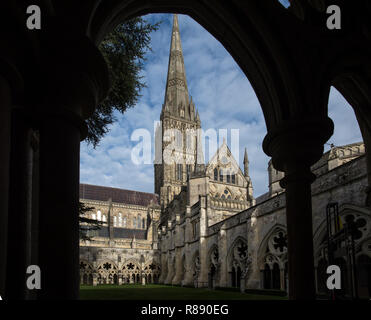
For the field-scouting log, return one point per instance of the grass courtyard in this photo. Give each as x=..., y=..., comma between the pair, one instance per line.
x=163, y=292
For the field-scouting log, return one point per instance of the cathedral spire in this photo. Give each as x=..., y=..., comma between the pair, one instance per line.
x=176, y=95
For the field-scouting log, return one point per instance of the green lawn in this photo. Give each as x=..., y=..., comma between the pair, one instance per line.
x=163, y=292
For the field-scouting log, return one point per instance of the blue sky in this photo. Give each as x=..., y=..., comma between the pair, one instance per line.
x=223, y=96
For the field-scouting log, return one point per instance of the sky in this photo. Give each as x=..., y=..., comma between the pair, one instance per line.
x=223, y=96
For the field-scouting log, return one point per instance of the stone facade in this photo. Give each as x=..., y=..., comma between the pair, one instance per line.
x=249, y=249
x=124, y=249
x=206, y=229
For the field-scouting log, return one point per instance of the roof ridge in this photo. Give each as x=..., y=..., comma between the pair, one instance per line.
x=95, y=185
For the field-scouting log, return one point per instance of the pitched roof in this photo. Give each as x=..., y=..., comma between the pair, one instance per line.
x=100, y=193
x=123, y=233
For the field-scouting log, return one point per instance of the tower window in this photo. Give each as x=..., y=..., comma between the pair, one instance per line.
x=134, y=222
x=221, y=175
x=233, y=178
x=228, y=177
x=179, y=171
x=125, y=222
x=215, y=174
x=144, y=223
x=139, y=221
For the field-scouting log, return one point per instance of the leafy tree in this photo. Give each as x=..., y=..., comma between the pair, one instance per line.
x=124, y=50
x=86, y=224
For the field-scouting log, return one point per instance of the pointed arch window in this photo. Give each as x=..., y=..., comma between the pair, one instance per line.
x=134, y=222
x=120, y=219
x=179, y=171
x=114, y=221
x=216, y=174
x=143, y=223
x=124, y=222
x=221, y=175
x=139, y=221
x=226, y=194
x=233, y=178
x=104, y=218
x=228, y=177
x=99, y=215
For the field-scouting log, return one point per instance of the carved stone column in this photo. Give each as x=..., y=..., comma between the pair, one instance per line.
x=294, y=147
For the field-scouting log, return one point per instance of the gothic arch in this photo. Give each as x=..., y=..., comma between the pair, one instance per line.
x=131, y=271
x=264, y=246
x=86, y=272
x=86, y=266
x=354, y=85
x=232, y=255
x=133, y=262
x=107, y=272
x=151, y=272
x=291, y=83
x=344, y=211
x=263, y=58
x=272, y=258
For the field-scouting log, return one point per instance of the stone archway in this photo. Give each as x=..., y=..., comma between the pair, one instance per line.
x=272, y=259
x=152, y=272
x=261, y=36
x=238, y=262
x=131, y=272
x=86, y=272
x=107, y=273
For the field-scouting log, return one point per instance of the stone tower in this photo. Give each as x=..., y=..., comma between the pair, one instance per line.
x=176, y=136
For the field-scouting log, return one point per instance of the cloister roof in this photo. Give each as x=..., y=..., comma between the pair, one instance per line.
x=100, y=193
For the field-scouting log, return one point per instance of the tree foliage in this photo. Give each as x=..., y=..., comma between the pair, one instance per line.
x=86, y=224
x=124, y=50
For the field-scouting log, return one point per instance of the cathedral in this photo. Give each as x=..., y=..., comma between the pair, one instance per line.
x=203, y=227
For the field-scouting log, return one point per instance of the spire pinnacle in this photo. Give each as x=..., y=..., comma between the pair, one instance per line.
x=245, y=158
x=246, y=164
x=176, y=94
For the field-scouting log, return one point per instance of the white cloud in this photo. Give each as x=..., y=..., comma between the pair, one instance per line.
x=223, y=96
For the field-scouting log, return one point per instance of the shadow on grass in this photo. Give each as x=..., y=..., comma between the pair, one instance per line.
x=163, y=292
